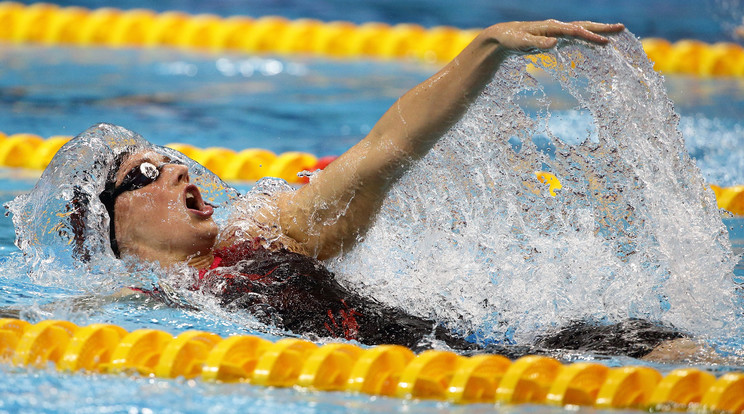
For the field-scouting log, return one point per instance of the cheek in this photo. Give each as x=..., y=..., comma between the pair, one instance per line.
x=142, y=214
x=163, y=216
x=157, y=209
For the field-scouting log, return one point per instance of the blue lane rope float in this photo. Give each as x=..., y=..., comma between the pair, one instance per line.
x=50, y=24
x=388, y=370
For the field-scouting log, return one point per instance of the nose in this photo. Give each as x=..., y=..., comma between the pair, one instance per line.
x=176, y=173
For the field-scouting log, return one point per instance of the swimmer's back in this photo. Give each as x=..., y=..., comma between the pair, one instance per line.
x=297, y=293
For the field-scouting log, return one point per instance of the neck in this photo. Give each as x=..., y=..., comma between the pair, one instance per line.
x=167, y=259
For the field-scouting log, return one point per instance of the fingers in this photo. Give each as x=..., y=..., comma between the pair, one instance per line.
x=582, y=30
x=601, y=27
x=526, y=37
x=540, y=42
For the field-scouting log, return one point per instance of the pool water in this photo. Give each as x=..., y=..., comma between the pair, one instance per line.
x=191, y=98
x=279, y=103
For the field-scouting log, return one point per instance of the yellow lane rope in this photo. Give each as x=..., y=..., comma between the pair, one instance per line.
x=387, y=370
x=34, y=152
x=50, y=24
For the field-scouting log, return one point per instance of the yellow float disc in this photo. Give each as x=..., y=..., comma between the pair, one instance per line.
x=288, y=164
x=477, y=378
x=428, y=375
x=183, y=356
x=132, y=28
x=140, y=351
x=91, y=346
x=18, y=150
x=165, y=31
x=96, y=29
x=550, y=179
x=249, y=165
x=200, y=32
x=528, y=380
x=233, y=31
x=45, y=152
x=628, y=387
x=185, y=149
x=577, y=384
x=729, y=198
x=32, y=24
x=281, y=364
x=328, y=367
x=726, y=394
x=44, y=342
x=682, y=386
x=10, y=13
x=215, y=159
x=63, y=26
x=378, y=369
x=11, y=331
x=300, y=36
x=234, y=359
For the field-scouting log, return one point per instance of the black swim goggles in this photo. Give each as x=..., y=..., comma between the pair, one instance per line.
x=140, y=176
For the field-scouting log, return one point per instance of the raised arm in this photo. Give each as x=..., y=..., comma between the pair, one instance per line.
x=327, y=215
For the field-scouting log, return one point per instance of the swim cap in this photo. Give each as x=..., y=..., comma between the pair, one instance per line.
x=62, y=217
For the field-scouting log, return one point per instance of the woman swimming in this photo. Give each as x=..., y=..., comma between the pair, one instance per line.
x=326, y=216
x=264, y=258
x=265, y=261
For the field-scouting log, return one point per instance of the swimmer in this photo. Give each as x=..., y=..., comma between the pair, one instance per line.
x=325, y=217
x=268, y=261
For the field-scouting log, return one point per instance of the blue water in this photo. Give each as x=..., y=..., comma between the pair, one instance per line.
x=314, y=105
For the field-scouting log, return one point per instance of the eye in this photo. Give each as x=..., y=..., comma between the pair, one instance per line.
x=140, y=176
x=149, y=170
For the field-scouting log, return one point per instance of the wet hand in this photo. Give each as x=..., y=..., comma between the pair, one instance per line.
x=529, y=37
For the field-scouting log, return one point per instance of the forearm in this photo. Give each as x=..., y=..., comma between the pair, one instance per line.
x=338, y=205
x=416, y=121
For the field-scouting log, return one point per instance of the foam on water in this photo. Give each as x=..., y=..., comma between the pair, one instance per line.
x=471, y=237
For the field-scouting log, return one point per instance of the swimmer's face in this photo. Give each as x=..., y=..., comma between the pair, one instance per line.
x=165, y=219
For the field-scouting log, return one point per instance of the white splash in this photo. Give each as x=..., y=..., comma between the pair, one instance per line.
x=471, y=237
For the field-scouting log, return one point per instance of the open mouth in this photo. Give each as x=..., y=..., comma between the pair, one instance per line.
x=194, y=202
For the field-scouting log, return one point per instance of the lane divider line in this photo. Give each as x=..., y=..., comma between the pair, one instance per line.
x=50, y=24
x=388, y=370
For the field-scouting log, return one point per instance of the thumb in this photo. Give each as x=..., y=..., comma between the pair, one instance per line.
x=548, y=42
x=532, y=42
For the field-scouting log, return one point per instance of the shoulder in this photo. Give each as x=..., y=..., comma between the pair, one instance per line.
x=257, y=219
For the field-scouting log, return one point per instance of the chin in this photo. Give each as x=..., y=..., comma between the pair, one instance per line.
x=207, y=236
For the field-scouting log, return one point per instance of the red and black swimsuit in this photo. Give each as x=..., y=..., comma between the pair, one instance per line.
x=298, y=293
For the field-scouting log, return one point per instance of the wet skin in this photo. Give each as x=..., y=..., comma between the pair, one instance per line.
x=165, y=221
